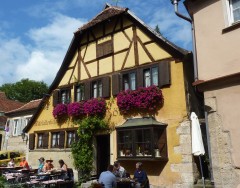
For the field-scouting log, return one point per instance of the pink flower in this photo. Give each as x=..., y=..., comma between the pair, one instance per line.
x=59, y=110
x=149, y=98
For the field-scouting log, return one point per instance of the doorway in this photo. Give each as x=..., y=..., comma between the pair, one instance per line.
x=103, y=153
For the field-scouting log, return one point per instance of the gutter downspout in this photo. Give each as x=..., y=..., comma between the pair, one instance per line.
x=195, y=67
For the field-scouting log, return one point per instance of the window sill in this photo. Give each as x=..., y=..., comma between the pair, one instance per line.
x=165, y=159
x=234, y=26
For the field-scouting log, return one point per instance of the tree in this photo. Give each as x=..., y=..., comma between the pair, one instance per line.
x=25, y=90
x=157, y=29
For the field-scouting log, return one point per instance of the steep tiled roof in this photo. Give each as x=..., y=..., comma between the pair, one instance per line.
x=7, y=104
x=107, y=13
x=29, y=106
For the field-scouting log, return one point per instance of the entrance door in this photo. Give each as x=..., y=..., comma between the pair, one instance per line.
x=103, y=153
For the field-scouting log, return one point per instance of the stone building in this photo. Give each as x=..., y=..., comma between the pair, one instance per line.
x=114, y=54
x=6, y=105
x=17, y=120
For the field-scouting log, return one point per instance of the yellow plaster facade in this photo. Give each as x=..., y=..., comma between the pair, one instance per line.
x=172, y=113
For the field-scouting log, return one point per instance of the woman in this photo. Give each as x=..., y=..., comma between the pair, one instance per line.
x=64, y=169
x=11, y=163
x=141, y=176
x=48, y=166
x=41, y=164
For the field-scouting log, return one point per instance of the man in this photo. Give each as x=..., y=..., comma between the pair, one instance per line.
x=107, y=178
x=24, y=163
x=119, y=170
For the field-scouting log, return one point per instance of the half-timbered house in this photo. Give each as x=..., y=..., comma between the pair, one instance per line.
x=112, y=53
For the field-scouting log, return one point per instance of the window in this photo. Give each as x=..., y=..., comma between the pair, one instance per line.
x=145, y=142
x=97, y=89
x=40, y=141
x=55, y=140
x=15, y=127
x=79, y=92
x=150, y=76
x=104, y=49
x=234, y=11
x=70, y=138
x=65, y=96
x=129, y=81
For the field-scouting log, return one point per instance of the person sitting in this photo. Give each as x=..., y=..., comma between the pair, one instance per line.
x=64, y=170
x=141, y=176
x=107, y=178
x=24, y=164
x=41, y=164
x=48, y=166
x=119, y=170
x=11, y=163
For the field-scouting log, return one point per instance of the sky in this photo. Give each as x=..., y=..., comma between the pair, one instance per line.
x=35, y=35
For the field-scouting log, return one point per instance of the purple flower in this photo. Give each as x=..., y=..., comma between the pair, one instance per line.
x=59, y=110
x=149, y=98
x=75, y=109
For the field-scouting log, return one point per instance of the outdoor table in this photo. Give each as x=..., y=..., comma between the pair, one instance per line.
x=124, y=182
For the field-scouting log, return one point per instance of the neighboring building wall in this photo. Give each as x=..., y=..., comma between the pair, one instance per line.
x=223, y=122
x=217, y=42
x=13, y=137
x=217, y=51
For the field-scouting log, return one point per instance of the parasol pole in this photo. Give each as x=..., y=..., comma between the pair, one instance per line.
x=203, y=181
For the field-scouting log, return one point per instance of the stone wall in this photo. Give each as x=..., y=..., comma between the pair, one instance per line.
x=225, y=175
x=187, y=168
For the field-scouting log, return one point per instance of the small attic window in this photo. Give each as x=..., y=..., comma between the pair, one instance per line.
x=104, y=49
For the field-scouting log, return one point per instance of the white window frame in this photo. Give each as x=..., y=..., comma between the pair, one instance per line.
x=15, y=127
x=230, y=12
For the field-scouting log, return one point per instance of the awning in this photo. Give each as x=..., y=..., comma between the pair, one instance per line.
x=144, y=121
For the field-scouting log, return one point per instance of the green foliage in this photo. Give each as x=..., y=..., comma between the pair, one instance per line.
x=82, y=150
x=25, y=90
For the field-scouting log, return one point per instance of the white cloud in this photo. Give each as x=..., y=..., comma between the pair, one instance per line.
x=43, y=58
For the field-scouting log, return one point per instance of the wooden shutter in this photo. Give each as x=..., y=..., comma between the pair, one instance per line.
x=105, y=48
x=31, y=141
x=62, y=139
x=87, y=90
x=139, y=78
x=163, y=143
x=106, y=86
x=164, y=74
x=56, y=95
x=115, y=84
x=45, y=140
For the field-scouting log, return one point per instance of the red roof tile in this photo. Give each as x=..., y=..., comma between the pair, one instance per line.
x=7, y=104
x=29, y=106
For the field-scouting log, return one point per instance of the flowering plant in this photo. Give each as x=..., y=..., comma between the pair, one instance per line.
x=75, y=109
x=60, y=110
x=96, y=106
x=149, y=98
